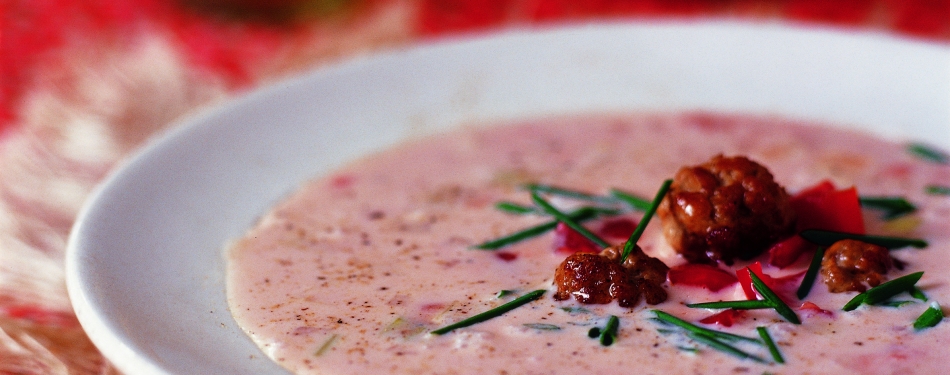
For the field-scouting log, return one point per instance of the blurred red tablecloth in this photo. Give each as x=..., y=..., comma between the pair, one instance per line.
x=84, y=82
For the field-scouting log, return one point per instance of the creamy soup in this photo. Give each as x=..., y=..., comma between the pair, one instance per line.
x=350, y=274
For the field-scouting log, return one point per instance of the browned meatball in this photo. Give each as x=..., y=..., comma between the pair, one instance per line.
x=726, y=208
x=849, y=264
x=600, y=278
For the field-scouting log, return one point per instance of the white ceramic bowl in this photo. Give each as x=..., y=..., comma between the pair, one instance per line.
x=145, y=265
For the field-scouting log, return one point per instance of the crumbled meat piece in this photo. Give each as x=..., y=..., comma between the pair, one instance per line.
x=849, y=264
x=726, y=208
x=600, y=278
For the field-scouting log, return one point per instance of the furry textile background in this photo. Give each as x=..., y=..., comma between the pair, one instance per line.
x=83, y=83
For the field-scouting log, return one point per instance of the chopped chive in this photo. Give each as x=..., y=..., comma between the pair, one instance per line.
x=723, y=347
x=326, y=345
x=769, y=343
x=738, y=305
x=514, y=208
x=504, y=293
x=931, y=317
x=811, y=274
x=928, y=152
x=893, y=207
x=566, y=219
x=937, y=189
x=543, y=326
x=892, y=288
x=554, y=190
x=665, y=317
x=780, y=307
x=917, y=293
x=575, y=310
x=883, y=292
x=687, y=349
x=635, y=202
x=895, y=304
x=827, y=238
x=579, y=215
x=635, y=236
x=594, y=332
x=493, y=313
x=609, y=334
x=855, y=302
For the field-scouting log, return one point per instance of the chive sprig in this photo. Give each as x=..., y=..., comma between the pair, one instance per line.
x=827, y=238
x=492, y=313
x=635, y=236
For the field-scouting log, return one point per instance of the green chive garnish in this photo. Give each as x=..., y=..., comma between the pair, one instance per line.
x=504, y=293
x=780, y=307
x=931, y=317
x=514, y=208
x=580, y=215
x=326, y=345
x=773, y=349
x=723, y=347
x=893, y=207
x=917, y=293
x=609, y=334
x=811, y=274
x=892, y=288
x=575, y=310
x=854, y=302
x=543, y=326
x=566, y=219
x=883, y=292
x=665, y=317
x=554, y=190
x=928, y=152
x=594, y=332
x=635, y=202
x=895, y=304
x=711, y=338
x=635, y=236
x=827, y=238
x=738, y=305
x=493, y=313
x=937, y=189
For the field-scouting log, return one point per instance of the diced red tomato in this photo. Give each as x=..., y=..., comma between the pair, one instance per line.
x=567, y=241
x=506, y=256
x=786, y=252
x=819, y=207
x=810, y=309
x=701, y=275
x=782, y=286
x=824, y=207
x=725, y=318
x=617, y=228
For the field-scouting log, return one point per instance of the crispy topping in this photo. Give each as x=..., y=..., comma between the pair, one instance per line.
x=850, y=265
x=600, y=278
x=723, y=209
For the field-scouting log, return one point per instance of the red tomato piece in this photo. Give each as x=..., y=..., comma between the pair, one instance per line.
x=782, y=286
x=819, y=207
x=618, y=228
x=824, y=207
x=725, y=318
x=506, y=256
x=787, y=251
x=701, y=275
x=567, y=241
x=809, y=309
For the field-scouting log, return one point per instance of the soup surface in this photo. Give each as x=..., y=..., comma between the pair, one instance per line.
x=350, y=274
